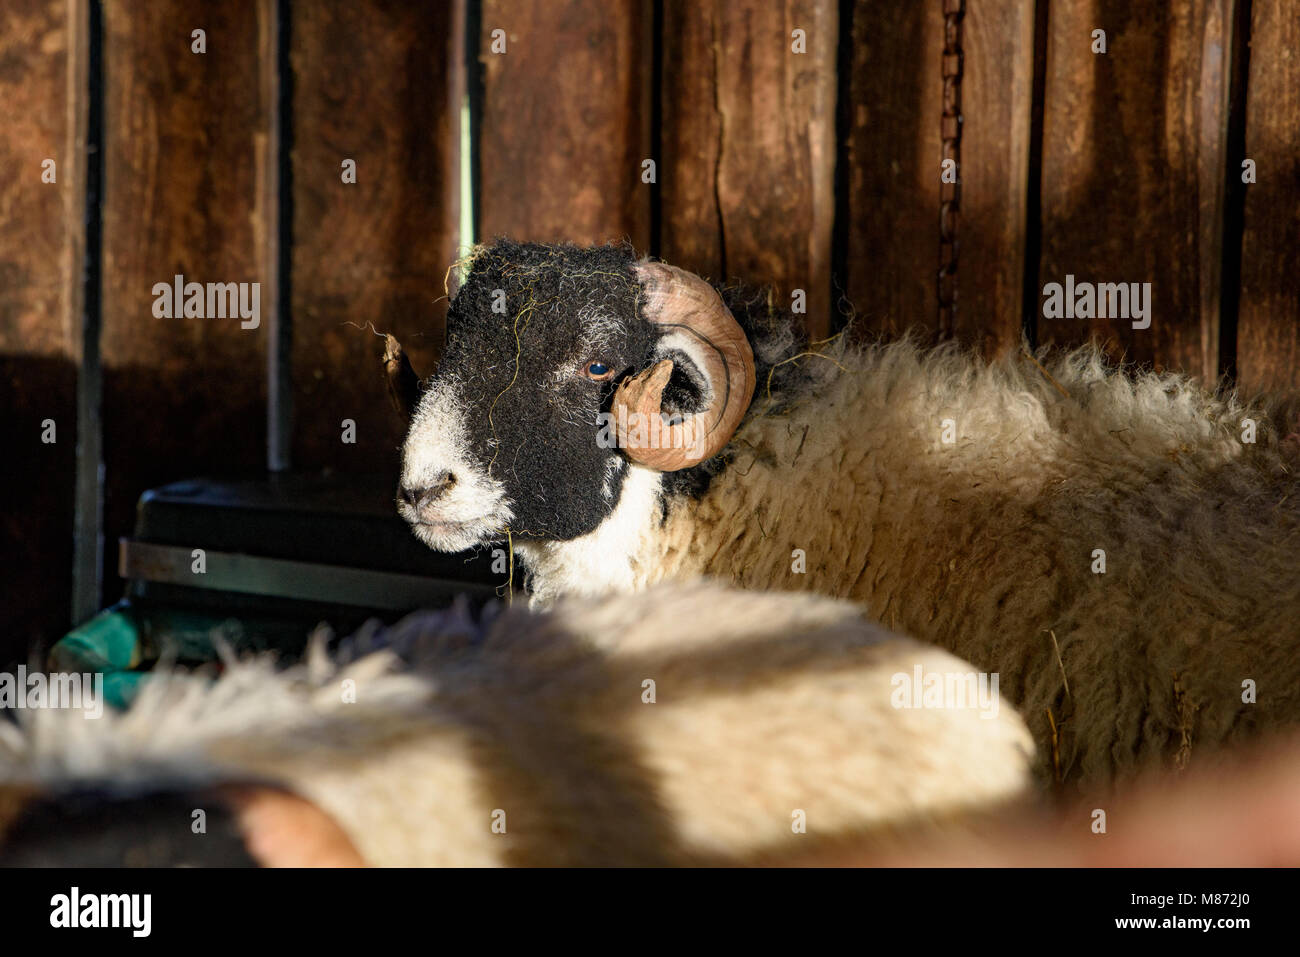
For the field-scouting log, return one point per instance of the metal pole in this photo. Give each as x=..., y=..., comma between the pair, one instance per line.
x=279, y=208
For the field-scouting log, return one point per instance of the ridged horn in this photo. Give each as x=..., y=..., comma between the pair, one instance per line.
x=676, y=298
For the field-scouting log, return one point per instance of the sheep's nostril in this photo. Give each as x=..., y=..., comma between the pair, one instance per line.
x=428, y=494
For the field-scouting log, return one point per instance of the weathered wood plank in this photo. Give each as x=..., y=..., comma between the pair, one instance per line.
x=690, y=142
x=184, y=158
x=40, y=217
x=749, y=144
x=893, y=159
x=1268, y=342
x=1133, y=159
x=998, y=38
x=370, y=256
x=40, y=265
x=566, y=120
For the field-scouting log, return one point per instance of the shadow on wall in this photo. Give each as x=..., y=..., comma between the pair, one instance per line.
x=37, y=486
x=1111, y=211
x=213, y=422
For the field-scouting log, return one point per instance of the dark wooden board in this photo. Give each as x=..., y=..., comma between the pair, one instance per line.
x=894, y=165
x=40, y=263
x=566, y=121
x=1133, y=158
x=748, y=144
x=1268, y=345
x=378, y=83
x=998, y=38
x=186, y=158
x=893, y=158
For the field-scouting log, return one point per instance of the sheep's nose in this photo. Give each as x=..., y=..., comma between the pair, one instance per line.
x=426, y=495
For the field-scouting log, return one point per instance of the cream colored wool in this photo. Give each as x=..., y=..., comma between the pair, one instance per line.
x=765, y=705
x=986, y=546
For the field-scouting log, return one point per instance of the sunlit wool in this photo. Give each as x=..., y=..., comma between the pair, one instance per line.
x=686, y=724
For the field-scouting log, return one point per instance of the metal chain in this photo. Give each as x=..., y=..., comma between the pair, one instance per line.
x=954, y=11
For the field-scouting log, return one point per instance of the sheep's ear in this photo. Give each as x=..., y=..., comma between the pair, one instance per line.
x=403, y=383
x=687, y=391
x=281, y=829
x=712, y=370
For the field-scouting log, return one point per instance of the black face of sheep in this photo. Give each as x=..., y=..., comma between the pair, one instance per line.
x=558, y=365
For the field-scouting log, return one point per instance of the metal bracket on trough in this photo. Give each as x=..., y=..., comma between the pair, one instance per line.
x=256, y=575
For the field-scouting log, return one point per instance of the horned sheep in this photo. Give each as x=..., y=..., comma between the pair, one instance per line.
x=682, y=725
x=1121, y=547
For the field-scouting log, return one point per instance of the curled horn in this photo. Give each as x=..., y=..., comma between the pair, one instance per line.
x=677, y=298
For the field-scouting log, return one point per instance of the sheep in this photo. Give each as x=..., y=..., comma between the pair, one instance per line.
x=686, y=724
x=1239, y=814
x=1121, y=547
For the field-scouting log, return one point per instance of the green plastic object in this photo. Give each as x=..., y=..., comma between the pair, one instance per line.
x=108, y=644
x=124, y=641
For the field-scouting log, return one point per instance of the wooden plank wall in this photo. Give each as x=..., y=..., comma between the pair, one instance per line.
x=893, y=159
x=814, y=170
x=748, y=159
x=1134, y=182
x=1133, y=154
x=380, y=84
x=565, y=123
x=997, y=89
x=892, y=156
x=744, y=159
x=1268, y=340
x=185, y=157
x=40, y=269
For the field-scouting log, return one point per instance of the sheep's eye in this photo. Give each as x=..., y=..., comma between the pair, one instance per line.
x=597, y=371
